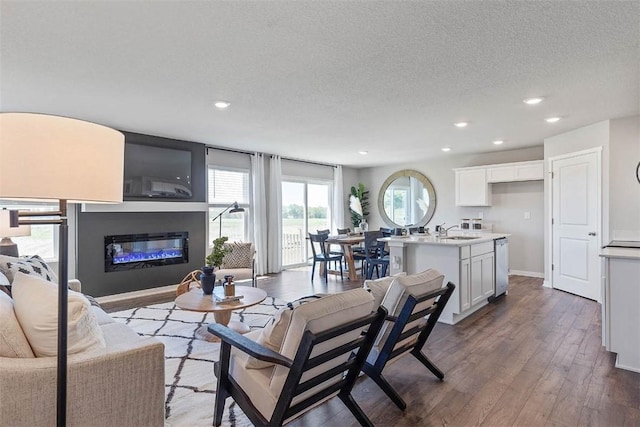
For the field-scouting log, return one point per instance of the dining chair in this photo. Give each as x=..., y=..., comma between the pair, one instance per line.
x=378, y=257
x=321, y=254
x=344, y=230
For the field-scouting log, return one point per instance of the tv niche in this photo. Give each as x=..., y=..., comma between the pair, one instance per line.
x=156, y=172
x=131, y=251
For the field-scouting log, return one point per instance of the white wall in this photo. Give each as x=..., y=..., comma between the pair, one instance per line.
x=624, y=194
x=506, y=214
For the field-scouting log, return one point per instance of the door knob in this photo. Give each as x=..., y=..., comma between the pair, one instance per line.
x=593, y=233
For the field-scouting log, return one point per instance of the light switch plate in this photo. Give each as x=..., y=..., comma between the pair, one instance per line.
x=527, y=215
x=480, y=215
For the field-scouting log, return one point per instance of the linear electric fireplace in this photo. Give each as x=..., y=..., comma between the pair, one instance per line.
x=129, y=251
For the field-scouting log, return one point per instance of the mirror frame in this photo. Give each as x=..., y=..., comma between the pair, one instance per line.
x=427, y=184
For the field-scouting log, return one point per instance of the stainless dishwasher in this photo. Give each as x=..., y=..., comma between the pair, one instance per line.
x=502, y=266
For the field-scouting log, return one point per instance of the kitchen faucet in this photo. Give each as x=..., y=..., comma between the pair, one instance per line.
x=442, y=232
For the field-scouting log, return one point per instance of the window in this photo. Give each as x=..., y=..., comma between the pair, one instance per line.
x=305, y=209
x=43, y=240
x=226, y=186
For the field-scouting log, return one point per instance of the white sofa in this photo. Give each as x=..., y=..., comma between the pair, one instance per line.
x=120, y=385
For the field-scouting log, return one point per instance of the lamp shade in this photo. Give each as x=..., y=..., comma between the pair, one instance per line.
x=6, y=231
x=45, y=157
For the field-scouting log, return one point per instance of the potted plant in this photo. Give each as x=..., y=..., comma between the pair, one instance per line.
x=213, y=261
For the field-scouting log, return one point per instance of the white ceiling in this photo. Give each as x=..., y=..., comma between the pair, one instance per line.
x=322, y=80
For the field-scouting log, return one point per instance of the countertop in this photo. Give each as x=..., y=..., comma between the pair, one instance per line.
x=431, y=239
x=629, y=253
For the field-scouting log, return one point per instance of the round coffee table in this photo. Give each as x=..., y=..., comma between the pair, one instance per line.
x=195, y=300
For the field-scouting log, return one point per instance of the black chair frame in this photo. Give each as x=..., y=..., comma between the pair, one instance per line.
x=301, y=363
x=407, y=315
x=324, y=255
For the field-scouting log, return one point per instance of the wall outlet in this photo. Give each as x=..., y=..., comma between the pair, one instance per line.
x=527, y=215
x=480, y=215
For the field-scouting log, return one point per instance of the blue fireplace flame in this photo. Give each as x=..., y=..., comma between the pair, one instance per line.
x=147, y=256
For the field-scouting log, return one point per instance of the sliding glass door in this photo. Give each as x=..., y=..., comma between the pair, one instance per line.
x=305, y=208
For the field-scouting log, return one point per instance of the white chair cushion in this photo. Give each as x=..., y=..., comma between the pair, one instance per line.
x=13, y=343
x=36, y=307
x=237, y=273
x=254, y=382
x=379, y=287
x=318, y=316
x=272, y=335
x=397, y=295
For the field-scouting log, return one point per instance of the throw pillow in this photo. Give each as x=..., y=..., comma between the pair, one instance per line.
x=32, y=265
x=379, y=287
x=13, y=343
x=36, y=306
x=5, y=285
x=273, y=334
x=241, y=255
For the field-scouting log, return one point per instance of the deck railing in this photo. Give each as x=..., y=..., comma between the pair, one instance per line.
x=293, y=245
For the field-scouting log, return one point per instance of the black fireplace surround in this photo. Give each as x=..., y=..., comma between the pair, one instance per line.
x=131, y=251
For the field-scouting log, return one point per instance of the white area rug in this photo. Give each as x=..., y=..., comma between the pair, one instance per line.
x=189, y=380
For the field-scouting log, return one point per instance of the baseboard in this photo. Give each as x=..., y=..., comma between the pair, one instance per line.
x=547, y=284
x=526, y=273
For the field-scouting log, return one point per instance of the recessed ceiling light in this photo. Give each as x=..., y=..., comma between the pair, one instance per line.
x=533, y=101
x=222, y=104
x=445, y=149
x=461, y=124
x=363, y=152
x=498, y=142
x=552, y=119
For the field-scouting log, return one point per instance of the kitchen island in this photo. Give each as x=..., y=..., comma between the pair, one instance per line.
x=620, y=302
x=466, y=259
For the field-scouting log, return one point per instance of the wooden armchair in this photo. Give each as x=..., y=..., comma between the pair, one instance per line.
x=415, y=304
x=310, y=366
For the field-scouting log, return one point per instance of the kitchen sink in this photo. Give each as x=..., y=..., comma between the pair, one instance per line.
x=462, y=237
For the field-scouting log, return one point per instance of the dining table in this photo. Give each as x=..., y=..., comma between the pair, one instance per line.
x=346, y=242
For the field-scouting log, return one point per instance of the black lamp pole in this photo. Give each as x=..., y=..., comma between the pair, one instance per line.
x=60, y=218
x=235, y=209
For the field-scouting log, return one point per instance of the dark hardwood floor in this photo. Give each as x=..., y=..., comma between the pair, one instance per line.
x=533, y=358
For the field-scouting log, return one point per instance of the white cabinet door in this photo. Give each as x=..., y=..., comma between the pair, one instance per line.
x=529, y=171
x=463, y=288
x=523, y=171
x=476, y=280
x=472, y=188
x=482, y=277
x=501, y=174
x=488, y=275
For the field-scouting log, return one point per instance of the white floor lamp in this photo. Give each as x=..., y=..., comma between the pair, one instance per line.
x=57, y=158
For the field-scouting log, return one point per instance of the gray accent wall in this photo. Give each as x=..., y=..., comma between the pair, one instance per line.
x=92, y=227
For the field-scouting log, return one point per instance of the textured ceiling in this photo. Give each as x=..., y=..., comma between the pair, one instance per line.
x=323, y=80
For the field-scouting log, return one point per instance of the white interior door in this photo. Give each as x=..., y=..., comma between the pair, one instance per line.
x=576, y=224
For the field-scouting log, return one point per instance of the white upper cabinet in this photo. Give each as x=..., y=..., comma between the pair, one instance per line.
x=472, y=188
x=523, y=171
x=473, y=184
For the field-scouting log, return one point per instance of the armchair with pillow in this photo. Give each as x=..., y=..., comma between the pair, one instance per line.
x=239, y=262
x=114, y=376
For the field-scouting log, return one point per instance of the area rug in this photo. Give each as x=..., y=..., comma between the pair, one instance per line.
x=190, y=384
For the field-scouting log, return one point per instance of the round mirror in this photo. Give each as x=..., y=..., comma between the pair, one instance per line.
x=407, y=198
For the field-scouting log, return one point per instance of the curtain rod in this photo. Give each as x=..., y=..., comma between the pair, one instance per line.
x=231, y=150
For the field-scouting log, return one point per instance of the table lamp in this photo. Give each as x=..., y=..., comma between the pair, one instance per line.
x=48, y=157
x=7, y=247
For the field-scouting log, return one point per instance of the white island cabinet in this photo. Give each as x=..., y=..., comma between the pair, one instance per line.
x=620, y=306
x=467, y=262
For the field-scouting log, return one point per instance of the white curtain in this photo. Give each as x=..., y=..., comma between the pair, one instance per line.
x=337, y=205
x=259, y=206
x=274, y=243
